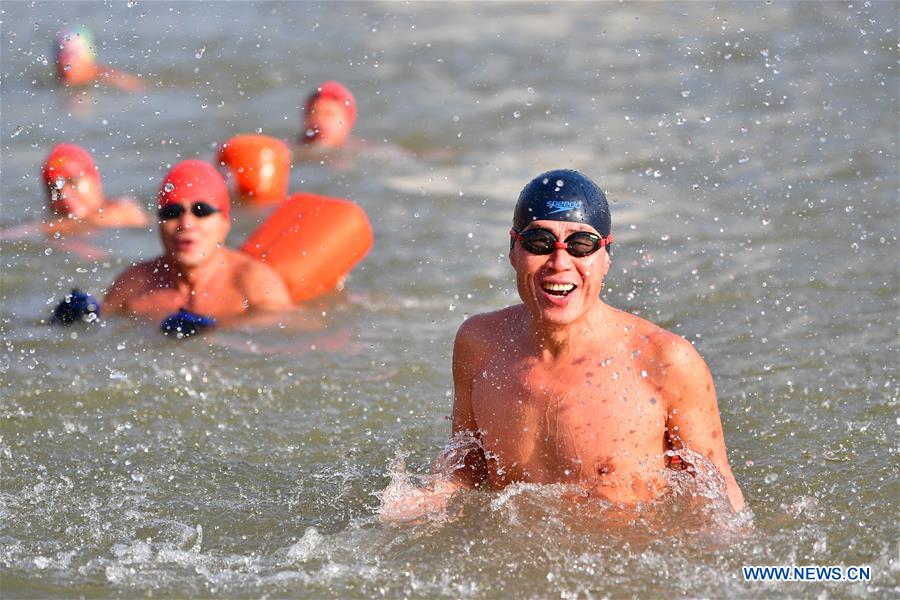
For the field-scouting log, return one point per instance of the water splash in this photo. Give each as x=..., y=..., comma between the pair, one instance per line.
x=413, y=498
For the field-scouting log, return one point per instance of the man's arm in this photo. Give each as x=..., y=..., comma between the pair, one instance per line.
x=466, y=348
x=693, y=419
x=123, y=212
x=122, y=80
x=463, y=453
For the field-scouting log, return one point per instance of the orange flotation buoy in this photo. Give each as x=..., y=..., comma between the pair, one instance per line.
x=260, y=166
x=312, y=242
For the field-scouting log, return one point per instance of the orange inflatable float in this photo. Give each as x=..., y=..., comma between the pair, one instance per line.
x=260, y=166
x=312, y=242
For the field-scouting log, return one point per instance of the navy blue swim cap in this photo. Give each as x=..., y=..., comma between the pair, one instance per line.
x=562, y=195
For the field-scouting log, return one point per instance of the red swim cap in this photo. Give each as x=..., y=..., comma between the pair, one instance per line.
x=261, y=166
x=68, y=160
x=195, y=181
x=337, y=91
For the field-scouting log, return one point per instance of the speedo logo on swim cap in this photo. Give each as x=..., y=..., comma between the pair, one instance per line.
x=563, y=205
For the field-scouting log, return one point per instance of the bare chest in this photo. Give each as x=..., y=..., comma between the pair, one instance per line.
x=578, y=424
x=163, y=300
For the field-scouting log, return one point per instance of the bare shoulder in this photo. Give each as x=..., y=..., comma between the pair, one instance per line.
x=133, y=281
x=143, y=272
x=251, y=271
x=667, y=357
x=488, y=329
x=125, y=212
x=259, y=282
x=481, y=338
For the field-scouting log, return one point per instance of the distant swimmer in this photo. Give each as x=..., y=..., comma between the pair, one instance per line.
x=197, y=279
x=564, y=388
x=76, y=62
x=75, y=194
x=328, y=116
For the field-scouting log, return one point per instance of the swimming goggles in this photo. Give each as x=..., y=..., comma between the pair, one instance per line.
x=174, y=211
x=544, y=241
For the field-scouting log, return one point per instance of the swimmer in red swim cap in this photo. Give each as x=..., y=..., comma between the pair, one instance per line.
x=260, y=167
x=196, y=271
x=329, y=115
x=75, y=193
x=76, y=62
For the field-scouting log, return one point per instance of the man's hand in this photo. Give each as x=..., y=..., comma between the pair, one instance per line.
x=404, y=502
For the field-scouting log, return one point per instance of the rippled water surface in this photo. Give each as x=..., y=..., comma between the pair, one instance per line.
x=749, y=150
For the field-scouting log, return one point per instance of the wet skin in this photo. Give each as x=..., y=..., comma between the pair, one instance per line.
x=566, y=389
x=197, y=272
x=77, y=68
x=81, y=198
x=78, y=197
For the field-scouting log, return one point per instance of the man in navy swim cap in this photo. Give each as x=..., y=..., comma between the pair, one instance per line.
x=564, y=388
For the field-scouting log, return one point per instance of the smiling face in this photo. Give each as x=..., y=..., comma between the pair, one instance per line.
x=557, y=288
x=190, y=241
x=327, y=122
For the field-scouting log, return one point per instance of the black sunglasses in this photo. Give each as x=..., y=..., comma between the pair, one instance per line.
x=544, y=241
x=198, y=209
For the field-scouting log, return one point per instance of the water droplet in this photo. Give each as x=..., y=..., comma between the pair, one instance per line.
x=516, y=114
x=18, y=131
x=771, y=478
x=169, y=186
x=199, y=53
x=48, y=251
x=560, y=183
x=744, y=159
x=685, y=93
x=60, y=183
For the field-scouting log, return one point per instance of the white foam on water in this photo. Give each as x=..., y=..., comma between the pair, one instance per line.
x=306, y=547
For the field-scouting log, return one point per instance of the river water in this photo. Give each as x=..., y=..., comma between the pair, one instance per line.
x=750, y=152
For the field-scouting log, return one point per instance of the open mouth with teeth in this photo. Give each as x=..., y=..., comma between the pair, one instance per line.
x=559, y=289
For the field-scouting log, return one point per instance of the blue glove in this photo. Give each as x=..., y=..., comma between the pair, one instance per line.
x=77, y=306
x=185, y=324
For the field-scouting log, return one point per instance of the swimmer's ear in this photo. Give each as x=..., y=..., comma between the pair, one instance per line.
x=607, y=260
